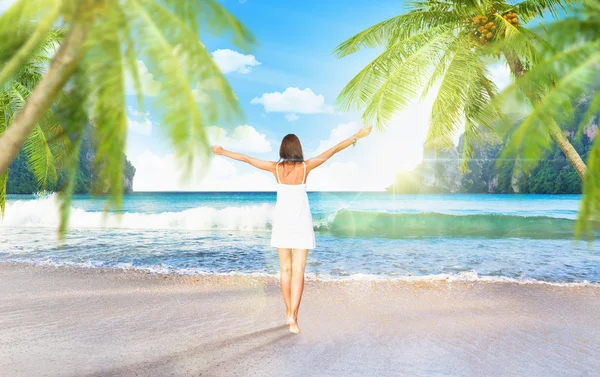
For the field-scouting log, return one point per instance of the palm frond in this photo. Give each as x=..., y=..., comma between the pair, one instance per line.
x=178, y=60
x=66, y=193
x=359, y=92
x=395, y=29
x=72, y=113
x=221, y=105
x=567, y=69
x=105, y=67
x=593, y=112
x=588, y=220
x=571, y=43
x=518, y=41
x=211, y=16
x=59, y=142
x=479, y=115
x=40, y=158
x=37, y=147
x=551, y=105
x=130, y=58
x=441, y=66
x=30, y=73
x=448, y=111
x=564, y=34
x=16, y=26
x=183, y=119
x=401, y=81
x=24, y=53
x=532, y=8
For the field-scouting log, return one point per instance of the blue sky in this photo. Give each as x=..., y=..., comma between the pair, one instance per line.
x=289, y=85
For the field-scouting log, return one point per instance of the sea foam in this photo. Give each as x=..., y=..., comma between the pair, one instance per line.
x=44, y=212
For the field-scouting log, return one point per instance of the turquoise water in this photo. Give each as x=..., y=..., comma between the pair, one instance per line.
x=359, y=235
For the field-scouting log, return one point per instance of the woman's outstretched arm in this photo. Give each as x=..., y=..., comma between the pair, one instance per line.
x=320, y=159
x=257, y=163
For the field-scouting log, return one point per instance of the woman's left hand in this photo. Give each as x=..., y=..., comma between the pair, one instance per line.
x=364, y=132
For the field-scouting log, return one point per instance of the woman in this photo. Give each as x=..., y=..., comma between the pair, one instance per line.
x=292, y=224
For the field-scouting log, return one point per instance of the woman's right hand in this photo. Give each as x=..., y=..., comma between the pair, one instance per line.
x=217, y=149
x=364, y=132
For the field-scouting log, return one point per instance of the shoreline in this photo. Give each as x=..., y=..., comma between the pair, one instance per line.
x=73, y=321
x=164, y=272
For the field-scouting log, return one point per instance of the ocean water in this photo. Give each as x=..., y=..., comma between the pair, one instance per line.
x=525, y=238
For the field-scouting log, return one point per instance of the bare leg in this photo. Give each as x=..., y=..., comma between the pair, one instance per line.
x=285, y=279
x=298, y=266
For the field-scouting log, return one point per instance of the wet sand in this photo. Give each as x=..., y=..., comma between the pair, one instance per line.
x=78, y=322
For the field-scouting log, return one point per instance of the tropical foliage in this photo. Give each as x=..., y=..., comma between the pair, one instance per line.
x=103, y=42
x=22, y=179
x=43, y=152
x=447, y=46
x=570, y=62
x=488, y=172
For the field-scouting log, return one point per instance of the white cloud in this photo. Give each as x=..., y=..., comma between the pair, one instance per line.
x=243, y=138
x=293, y=100
x=291, y=117
x=232, y=61
x=143, y=126
x=166, y=173
x=150, y=87
x=500, y=75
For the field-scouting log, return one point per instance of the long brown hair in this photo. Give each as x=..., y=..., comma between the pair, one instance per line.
x=290, y=150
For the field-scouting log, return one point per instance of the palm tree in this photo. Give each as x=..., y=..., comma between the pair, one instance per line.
x=448, y=45
x=45, y=148
x=568, y=71
x=103, y=42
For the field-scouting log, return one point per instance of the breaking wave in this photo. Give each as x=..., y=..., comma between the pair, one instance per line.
x=43, y=212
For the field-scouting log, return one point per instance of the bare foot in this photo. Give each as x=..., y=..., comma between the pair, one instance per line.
x=293, y=322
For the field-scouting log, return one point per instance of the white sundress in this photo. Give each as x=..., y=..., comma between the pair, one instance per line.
x=292, y=223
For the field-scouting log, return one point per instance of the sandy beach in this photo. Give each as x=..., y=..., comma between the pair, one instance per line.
x=92, y=322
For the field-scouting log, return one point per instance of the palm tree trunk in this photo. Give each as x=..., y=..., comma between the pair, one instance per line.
x=516, y=67
x=568, y=150
x=61, y=69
